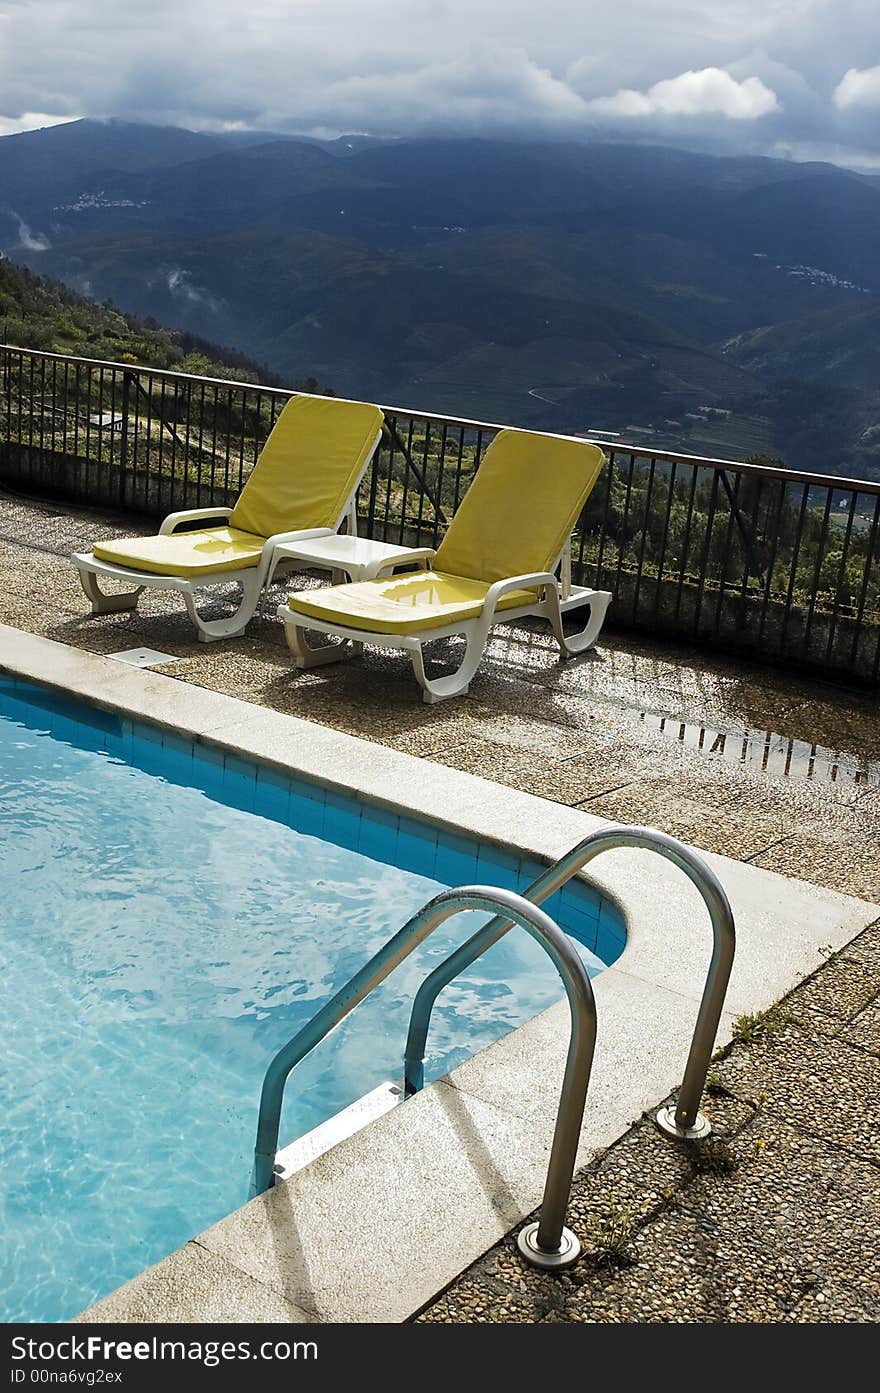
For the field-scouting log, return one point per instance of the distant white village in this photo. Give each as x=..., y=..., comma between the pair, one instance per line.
x=814, y=275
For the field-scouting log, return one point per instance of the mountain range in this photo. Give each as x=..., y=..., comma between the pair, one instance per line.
x=687, y=298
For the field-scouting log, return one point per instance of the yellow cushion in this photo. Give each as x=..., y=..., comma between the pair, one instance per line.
x=308, y=467
x=525, y=498
x=185, y=553
x=406, y=604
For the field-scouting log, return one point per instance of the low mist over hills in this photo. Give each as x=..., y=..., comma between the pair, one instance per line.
x=571, y=286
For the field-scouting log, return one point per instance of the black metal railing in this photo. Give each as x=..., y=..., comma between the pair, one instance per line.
x=767, y=561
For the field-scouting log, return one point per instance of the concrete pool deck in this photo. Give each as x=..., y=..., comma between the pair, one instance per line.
x=364, y=1233
x=792, y=1234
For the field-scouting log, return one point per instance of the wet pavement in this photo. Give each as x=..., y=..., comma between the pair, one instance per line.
x=778, y=769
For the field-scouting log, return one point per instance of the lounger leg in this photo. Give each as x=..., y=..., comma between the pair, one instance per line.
x=457, y=683
x=305, y=656
x=209, y=630
x=572, y=644
x=107, y=604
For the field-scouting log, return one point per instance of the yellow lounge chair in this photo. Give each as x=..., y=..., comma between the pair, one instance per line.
x=302, y=485
x=497, y=562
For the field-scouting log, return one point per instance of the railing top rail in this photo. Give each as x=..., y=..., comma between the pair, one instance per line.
x=790, y=476
x=617, y=447
x=140, y=369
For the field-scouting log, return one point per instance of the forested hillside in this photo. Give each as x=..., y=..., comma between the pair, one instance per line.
x=43, y=314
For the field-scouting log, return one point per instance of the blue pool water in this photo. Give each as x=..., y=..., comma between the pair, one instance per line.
x=169, y=919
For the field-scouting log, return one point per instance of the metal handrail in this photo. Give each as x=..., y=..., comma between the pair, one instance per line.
x=550, y=1243
x=686, y=1121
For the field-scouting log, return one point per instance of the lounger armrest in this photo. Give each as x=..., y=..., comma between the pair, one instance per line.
x=302, y=534
x=414, y=554
x=270, y=559
x=174, y=520
x=501, y=587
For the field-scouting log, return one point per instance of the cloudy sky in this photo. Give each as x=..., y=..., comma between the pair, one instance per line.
x=798, y=78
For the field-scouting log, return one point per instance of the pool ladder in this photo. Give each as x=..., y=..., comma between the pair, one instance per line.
x=547, y=1243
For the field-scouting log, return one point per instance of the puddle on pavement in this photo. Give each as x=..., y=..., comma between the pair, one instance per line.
x=772, y=753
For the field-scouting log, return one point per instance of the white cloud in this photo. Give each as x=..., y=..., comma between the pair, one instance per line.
x=858, y=87
x=750, y=72
x=180, y=286
x=485, y=87
x=30, y=241
x=709, y=92
x=30, y=121
x=865, y=161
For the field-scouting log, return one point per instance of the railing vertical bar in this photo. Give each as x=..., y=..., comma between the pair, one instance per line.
x=435, y=533
x=771, y=559
x=478, y=458
x=112, y=432
x=458, y=467
x=172, y=481
x=142, y=442
x=623, y=522
x=603, y=532
x=62, y=418
x=21, y=387
x=200, y=447
x=786, y=615
x=110, y=429
x=648, y=494
x=54, y=416
x=406, y=473
x=841, y=576
x=42, y=416
x=420, y=514
x=870, y=549
x=240, y=480
x=215, y=413
x=226, y=452
x=478, y=452
x=733, y=500
x=580, y=532
x=686, y=541
x=368, y=525
x=31, y=428
x=743, y=594
x=76, y=411
x=99, y=427
x=7, y=389
x=20, y=376
x=664, y=542
x=123, y=438
x=130, y=431
x=817, y=570
x=259, y=437
x=13, y=376
x=392, y=441
x=707, y=551
x=149, y=434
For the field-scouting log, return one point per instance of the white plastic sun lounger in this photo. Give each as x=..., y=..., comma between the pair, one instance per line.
x=498, y=561
x=303, y=485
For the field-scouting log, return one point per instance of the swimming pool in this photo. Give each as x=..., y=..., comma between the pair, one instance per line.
x=171, y=915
